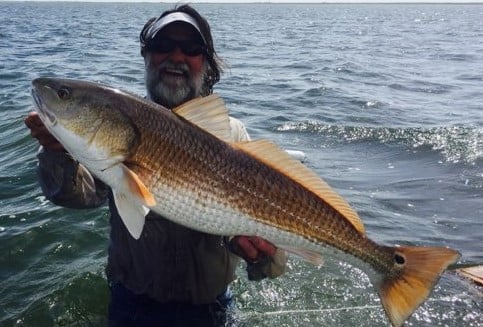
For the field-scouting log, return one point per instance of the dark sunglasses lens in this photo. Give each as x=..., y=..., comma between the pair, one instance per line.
x=165, y=45
x=191, y=48
x=162, y=45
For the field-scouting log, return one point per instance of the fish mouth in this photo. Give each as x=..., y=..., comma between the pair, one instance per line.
x=45, y=114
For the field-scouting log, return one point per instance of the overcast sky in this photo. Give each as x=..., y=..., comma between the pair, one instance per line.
x=318, y=1
x=282, y=1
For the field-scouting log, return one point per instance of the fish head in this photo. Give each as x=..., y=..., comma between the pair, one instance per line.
x=87, y=118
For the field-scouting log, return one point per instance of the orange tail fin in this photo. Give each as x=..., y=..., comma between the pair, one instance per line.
x=421, y=267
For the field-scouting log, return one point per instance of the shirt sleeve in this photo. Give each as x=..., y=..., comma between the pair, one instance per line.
x=239, y=134
x=238, y=131
x=67, y=183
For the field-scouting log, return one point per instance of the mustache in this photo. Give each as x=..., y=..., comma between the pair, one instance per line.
x=172, y=66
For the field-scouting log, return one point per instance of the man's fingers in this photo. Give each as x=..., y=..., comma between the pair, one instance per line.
x=41, y=133
x=32, y=121
x=35, y=124
x=252, y=248
x=246, y=246
x=263, y=246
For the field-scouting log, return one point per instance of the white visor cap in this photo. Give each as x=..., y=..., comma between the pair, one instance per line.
x=164, y=21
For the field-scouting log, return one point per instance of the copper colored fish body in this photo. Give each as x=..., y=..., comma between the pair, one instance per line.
x=183, y=165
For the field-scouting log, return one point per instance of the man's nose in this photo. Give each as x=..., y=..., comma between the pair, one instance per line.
x=177, y=55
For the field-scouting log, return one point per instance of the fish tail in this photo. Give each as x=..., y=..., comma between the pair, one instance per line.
x=417, y=269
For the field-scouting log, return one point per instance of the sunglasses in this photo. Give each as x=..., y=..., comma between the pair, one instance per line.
x=190, y=48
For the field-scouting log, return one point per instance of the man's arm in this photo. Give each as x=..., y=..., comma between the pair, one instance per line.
x=63, y=180
x=67, y=183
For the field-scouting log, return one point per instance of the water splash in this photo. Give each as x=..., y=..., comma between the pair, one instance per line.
x=456, y=143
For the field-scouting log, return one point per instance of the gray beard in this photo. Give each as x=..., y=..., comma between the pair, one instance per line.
x=167, y=94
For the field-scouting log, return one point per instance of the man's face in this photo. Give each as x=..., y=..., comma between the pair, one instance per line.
x=173, y=77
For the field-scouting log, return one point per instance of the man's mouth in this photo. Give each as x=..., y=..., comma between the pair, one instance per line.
x=174, y=72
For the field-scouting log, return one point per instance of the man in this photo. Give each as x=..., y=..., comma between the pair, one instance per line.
x=171, y=276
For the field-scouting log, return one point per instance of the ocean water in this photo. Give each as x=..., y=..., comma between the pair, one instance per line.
x=385, y=100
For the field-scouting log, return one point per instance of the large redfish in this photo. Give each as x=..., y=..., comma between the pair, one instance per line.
x=183, y=165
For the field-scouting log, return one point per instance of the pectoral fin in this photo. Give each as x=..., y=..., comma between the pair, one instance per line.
x=132, y=214
x=137, y=187
x=132, y=200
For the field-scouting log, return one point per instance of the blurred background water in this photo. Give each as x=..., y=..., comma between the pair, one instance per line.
x=385, y=100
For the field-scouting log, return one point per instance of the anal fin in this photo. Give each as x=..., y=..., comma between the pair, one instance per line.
x=313, y=257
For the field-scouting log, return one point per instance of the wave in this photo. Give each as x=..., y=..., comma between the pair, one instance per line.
x=456, y=143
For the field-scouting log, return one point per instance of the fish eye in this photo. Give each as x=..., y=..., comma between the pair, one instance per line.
x=399, y=259
x=63, y=93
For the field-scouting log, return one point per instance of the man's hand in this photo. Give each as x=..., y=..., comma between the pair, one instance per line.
x=40, y=132
x=252, y=248
x=262, y=257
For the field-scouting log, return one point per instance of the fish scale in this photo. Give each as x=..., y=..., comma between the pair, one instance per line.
x=189, y=155
x=183, y=165
x=304, y=215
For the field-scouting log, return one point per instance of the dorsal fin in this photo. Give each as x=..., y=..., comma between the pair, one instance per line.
x=278, y=159
x=209, y=113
